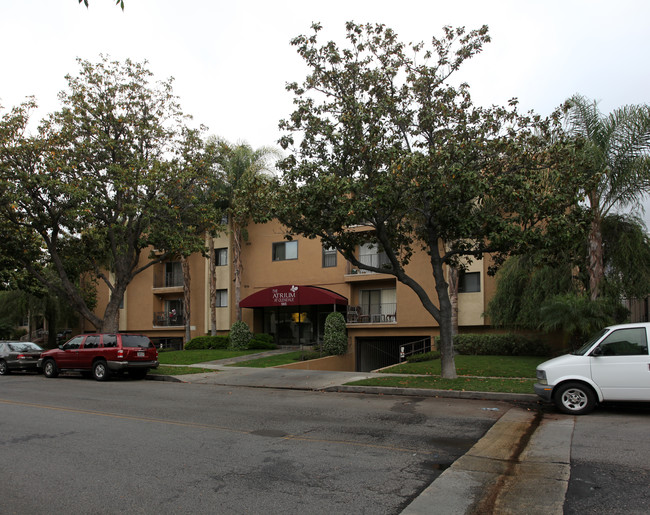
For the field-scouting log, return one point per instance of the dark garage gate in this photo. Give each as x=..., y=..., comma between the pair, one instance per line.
x=373, y=353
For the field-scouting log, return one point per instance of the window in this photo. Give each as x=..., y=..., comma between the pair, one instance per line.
x=222, y=298
x=173, y=274
x=221, y=257
x=75, y=343
x=369, y=254
x=329, y=257
x=625, y=342
x=92, y=342
x=109, y=340
x=285, y=250
x=469, y=282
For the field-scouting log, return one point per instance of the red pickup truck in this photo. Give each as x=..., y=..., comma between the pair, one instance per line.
x=101, y=355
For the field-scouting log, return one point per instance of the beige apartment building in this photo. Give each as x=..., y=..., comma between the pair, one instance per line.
x=289, y=287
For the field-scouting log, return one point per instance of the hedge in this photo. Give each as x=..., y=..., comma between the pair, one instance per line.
x=259, y=341
x=208, y=342
x=498, y=345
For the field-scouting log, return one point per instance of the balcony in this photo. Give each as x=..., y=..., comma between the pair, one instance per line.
x=167, y=282
x=385, y=313
x=168, y=319
x=375, y=260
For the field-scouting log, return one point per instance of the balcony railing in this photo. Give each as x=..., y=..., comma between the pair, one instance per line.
x=376, y=314
x=168, y=319
x=168, y=280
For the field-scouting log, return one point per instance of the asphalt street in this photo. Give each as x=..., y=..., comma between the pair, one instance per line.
x=243, y=440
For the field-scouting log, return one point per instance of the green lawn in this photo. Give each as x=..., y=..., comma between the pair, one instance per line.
x=482, y=366
x=272, y=361
x=508, y=374
x=469, y=384
x=189, y=357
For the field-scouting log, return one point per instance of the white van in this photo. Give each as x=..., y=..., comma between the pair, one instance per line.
x=613, y=366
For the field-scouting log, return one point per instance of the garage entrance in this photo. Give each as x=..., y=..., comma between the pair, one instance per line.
x=374, y=353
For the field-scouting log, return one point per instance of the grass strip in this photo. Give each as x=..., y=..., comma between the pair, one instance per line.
x=189, y=357
x=470, y=384
x=271, y=361
x=482, y=366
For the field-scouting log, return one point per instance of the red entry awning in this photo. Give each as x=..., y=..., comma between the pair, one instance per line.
x=292, y=295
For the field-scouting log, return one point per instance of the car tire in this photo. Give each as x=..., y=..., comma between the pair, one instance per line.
x=50, y=369
x=575, y=398
x=138, y=373
x=101, y=371
x=4, y=368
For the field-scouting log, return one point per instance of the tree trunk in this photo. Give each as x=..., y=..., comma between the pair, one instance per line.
x=453, y=294
x=237, y=267
x=186, y=298
x=213, y=287
x=596, y=268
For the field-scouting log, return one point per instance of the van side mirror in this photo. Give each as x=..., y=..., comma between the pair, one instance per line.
x=597, y=352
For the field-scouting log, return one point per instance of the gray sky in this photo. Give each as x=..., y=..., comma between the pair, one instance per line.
x=231, y=60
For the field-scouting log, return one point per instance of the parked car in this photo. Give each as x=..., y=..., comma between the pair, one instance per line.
x=16, y=355
x=614, y=365
x=101, y=355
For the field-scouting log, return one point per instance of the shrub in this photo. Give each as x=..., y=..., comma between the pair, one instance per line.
x=207, y=342
x=198, y=343
x=499, y=345
x=335, y=339
x=425, y=356
x=240, y=336
x=262, y=341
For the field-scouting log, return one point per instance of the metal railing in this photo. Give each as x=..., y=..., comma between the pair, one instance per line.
x=375, y=314
x=168, y=319
x=168, y=280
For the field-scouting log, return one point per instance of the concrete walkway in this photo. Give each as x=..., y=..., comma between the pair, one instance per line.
x=521, y=465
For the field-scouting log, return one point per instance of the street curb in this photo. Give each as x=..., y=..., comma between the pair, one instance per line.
x=425, y=392
x=521, y=465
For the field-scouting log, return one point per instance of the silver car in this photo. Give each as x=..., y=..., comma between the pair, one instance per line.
x=18, y=356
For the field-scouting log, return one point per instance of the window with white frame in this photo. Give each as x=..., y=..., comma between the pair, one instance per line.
x=285, y=250
x=329, y=257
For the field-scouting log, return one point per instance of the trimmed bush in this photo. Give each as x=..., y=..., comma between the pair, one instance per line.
x=499, y=345
x=425, y=356
x=262, y=341
x=335, y=339
x=240, y=336
x=207, y=342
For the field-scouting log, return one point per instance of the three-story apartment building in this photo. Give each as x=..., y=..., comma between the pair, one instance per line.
x=288, y=288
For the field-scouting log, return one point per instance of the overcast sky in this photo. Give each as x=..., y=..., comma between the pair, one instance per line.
x=231, y=60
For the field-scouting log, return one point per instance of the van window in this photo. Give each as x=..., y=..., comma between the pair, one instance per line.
x=625, y=342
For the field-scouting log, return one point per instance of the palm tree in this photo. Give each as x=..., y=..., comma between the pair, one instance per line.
x=245, y=183
x=617, y=157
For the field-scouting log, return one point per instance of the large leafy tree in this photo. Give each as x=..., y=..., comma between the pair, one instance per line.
x=244, y=196
x=384, y=149
x=547, y=291
x=114, y=171
x=617, y=161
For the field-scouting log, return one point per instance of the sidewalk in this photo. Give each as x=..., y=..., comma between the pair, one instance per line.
x=521, y=465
